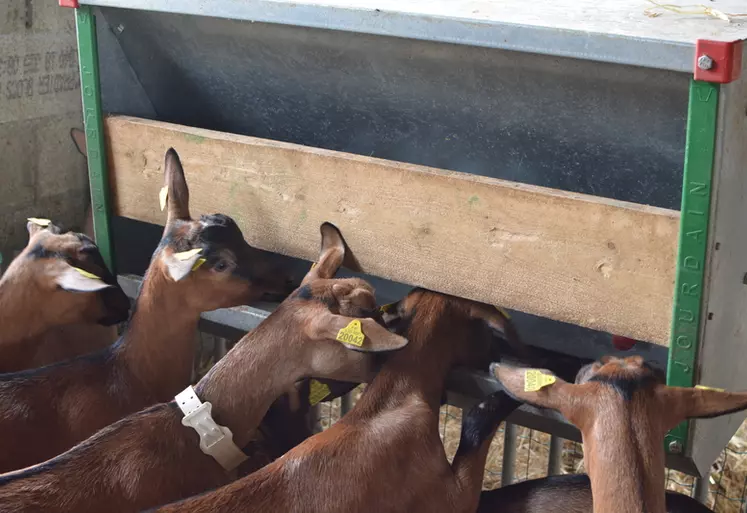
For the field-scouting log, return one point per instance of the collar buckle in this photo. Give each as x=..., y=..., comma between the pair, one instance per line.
x=215, y=440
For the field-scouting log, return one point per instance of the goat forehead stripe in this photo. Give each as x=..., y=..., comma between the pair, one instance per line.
x=93, y=262
x=305, y=292
x=625, y=385
x=83, y=237
x=229, y=235
x=39, y=252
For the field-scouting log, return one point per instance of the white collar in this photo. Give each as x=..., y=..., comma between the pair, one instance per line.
x=215, y=440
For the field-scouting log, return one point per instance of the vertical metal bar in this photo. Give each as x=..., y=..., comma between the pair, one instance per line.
x=88, y=58
x=701, y=489
x=529, y=455
x=346, y=404
x=315, y=418
x=693, y=239
x=509, y=455
x=555, y=460
x=220, y=348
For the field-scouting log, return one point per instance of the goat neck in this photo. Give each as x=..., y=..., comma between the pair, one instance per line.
x=617, y=469
x=163, y=323
x=421, y=367
x=21, y=317
x=266, y=358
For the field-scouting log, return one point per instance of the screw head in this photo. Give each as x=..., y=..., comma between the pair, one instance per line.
x=675, y=447
x=705, y=62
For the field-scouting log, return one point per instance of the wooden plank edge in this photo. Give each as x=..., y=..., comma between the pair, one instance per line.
x=661, y=337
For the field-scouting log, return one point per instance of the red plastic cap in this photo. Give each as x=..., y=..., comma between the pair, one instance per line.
x=622, y=343
x=718, y=61
x=69, y=3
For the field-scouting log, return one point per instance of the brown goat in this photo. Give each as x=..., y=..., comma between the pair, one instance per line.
x=150, y=458
x=199, y=265
x=623, y=411
x=56, y=300
x=563, y=494
x=386, y=454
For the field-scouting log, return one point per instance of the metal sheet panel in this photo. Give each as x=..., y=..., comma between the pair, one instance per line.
x=614, y=131
x=600, y=129
x=602, y=30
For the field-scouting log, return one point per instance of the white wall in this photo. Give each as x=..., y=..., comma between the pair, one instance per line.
x=41, y=173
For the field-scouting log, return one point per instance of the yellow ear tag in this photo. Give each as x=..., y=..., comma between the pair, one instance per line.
x=40, y=222
x=198, y=264
x=352, y=334
x=319, y=391
x=87, y=274
x=386, y=308
x=535, y=379
x=503, y=312
x=703, y=387
x=313, y=264
x=186, y=255
x=163, y=195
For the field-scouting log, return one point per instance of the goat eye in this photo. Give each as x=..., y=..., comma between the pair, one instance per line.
x=221, y=266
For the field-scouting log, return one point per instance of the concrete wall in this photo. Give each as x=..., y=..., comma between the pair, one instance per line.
x=41, y=173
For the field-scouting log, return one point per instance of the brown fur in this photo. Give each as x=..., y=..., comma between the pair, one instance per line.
x=40, y=323
x=48, y=410
x=149, y=458
x=386, y=454
x=623, y=412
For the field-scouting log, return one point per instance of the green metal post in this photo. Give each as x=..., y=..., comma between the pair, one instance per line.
x=693, y=240
x=98, y=177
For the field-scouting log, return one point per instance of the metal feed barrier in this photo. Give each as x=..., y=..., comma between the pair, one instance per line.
x=595, y=115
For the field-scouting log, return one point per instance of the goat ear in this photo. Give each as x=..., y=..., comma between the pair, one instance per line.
x=538, y=387
x=679, y=404
x=363, y=335
x=499, y=323
x=77, y=280
x=35, y=225
x=331, y=255
x=177, y=192
x=179, y=265
x=79, y=140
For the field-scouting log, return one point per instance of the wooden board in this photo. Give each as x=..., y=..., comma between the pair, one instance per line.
x=595, y=262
